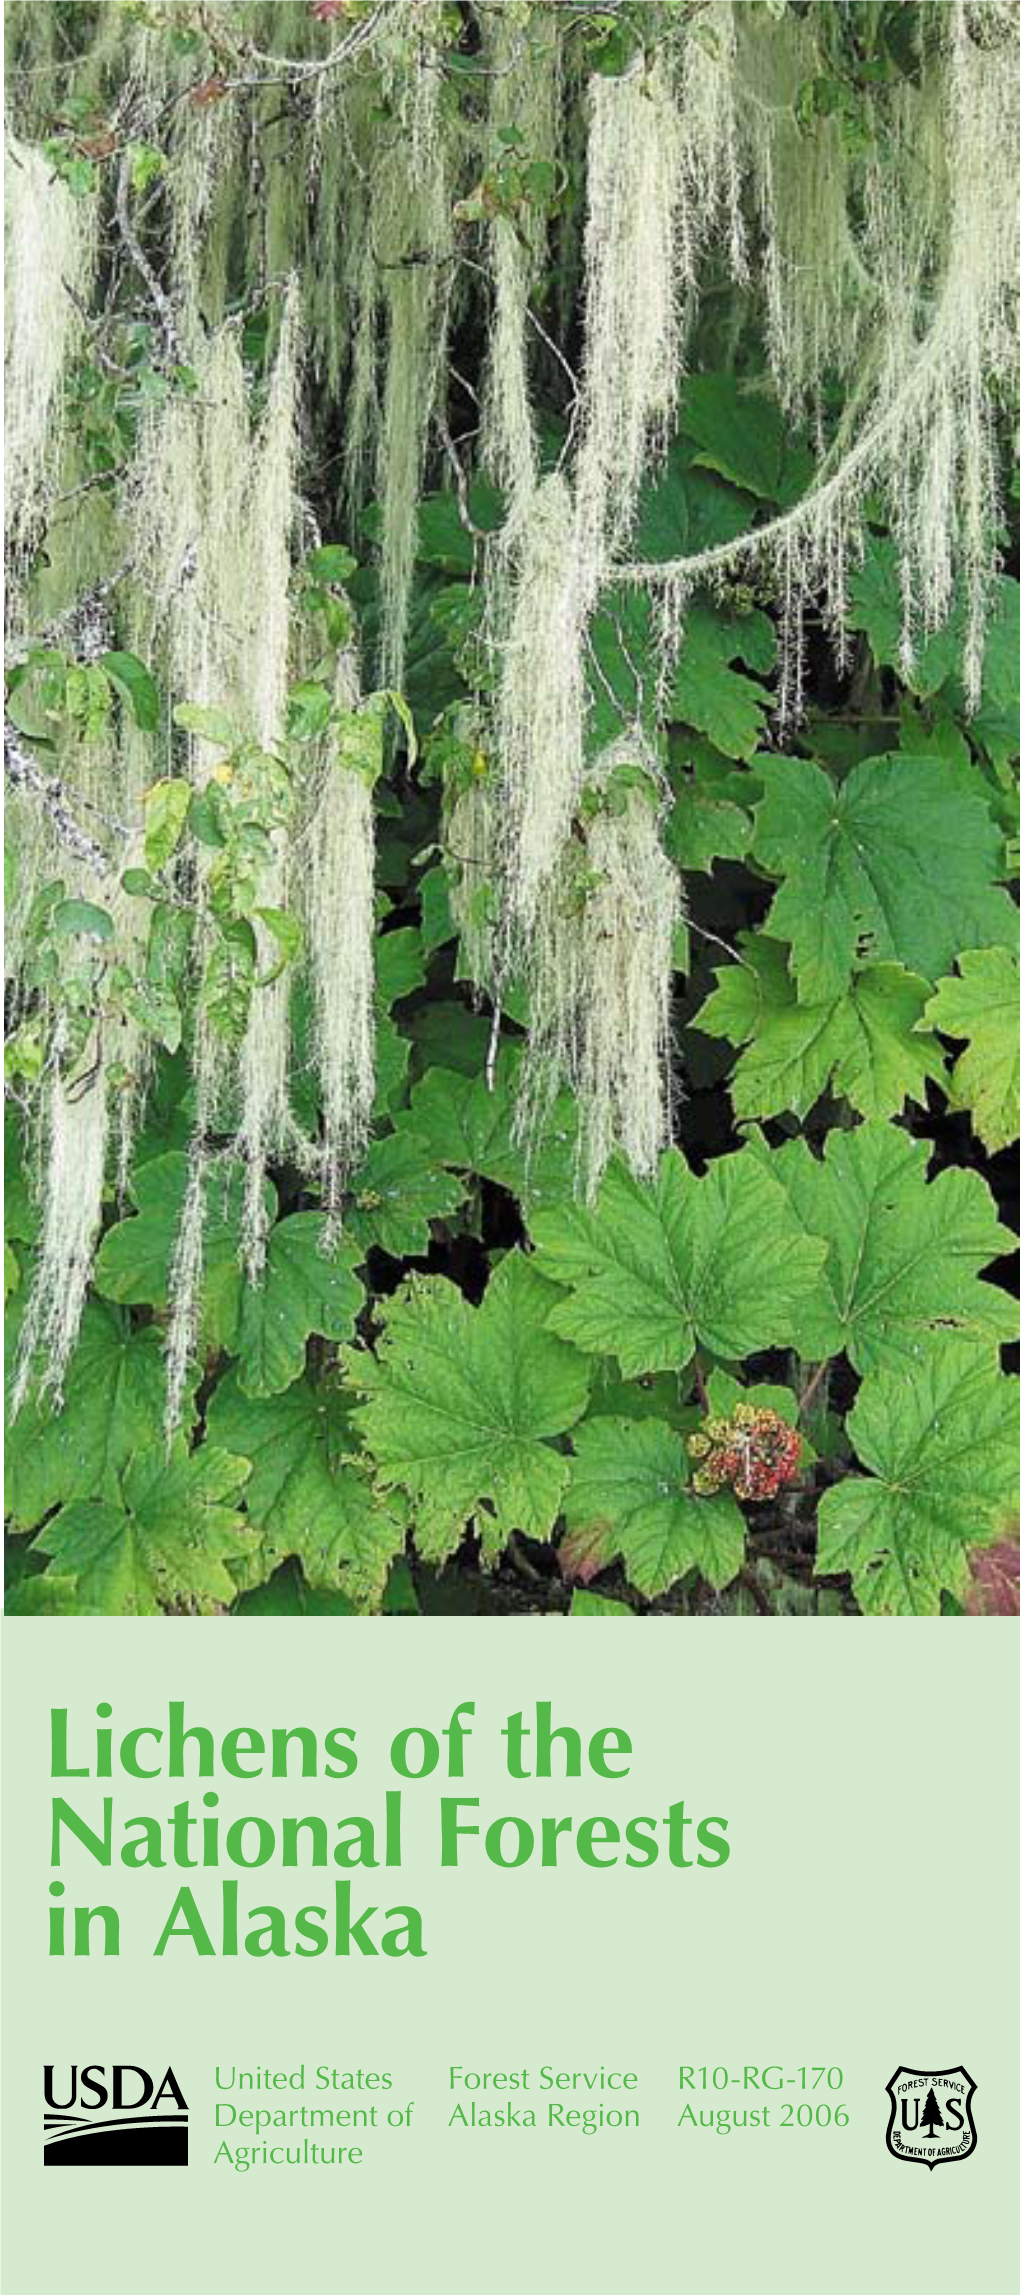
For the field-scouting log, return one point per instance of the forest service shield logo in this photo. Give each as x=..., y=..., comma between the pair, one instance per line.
x=931, y=2121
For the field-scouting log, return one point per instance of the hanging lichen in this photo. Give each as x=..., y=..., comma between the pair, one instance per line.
x=540, y=702
x=340, y=914
x=632, y=365
x=269, y=529
x=524, y=120
x=601, y=975
x=50, y=241
x=410, y=230
x=75, y=1144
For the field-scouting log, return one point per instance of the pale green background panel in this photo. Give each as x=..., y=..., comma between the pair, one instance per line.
x=863, y=1920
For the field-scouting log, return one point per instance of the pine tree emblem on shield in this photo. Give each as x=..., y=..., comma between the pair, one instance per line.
x=931, y=2122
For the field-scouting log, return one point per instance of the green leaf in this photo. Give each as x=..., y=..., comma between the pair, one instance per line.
x=983, y=1006
x=899, y=862
x=870, y=1045
x=656, y=1269
x=742, y=433
x=396, y=1192
x=462, y=1405
x=399, y=964
x=208, y=724
x=73, y=916
x=725, y=704
x=288, y=933
x=209, y=817
x=630, y=1495
x=113, y=1402
x=941, y=1439
x=462, y=1122
x=287, y=1595
x=229, y=981
x=155, y=1010
x=166, y=810
x=443, y=538
x=307, y=1496
x=876, y=608
x=134, y=1259
x=169, y=1541
x=304, y=1290
x=138, y=687
x=331, y=564
x=585, y=1605
x=309, y=708
x=704, y=824
x=904, y=1254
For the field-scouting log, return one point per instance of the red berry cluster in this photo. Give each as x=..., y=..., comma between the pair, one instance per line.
x=753, y=1453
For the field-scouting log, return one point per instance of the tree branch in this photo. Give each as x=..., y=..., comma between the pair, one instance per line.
x=25, y=773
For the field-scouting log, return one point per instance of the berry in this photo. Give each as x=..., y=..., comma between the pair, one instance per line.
x=754, y=1453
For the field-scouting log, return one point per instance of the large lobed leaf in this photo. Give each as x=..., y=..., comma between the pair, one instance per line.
x=899, y=862
x=941, y=1440
x=169, y=1539
x=305, y=1289
x=630, y=1495
x=654, y=1269
x=308, y=1494
x=114, y=1394
x=983, y=1006
x=904, y=1255
x=869, y=1044
x=463, y=1403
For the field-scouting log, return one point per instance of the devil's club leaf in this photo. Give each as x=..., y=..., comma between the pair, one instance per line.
x=630, y=1494
x=900, y=861
x=983, y=1006
x=654, y=1269
x=941, y=1440
x=304, y=1289
x=937, y=667
x=709, y=693
x=904, y=1255
x=745, y=436
x=167, y=1543
x=462, y=1122
x=462, y=1403
x=113, y=1400
x=708, y=819
x=870, y=1044
x=396, y=1192
x=307, y=1495
x=134, y=1260
x=399, y=964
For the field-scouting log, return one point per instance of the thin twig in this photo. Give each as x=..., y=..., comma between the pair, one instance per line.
x=459, y=479
x=142, y=264
x=24, y=773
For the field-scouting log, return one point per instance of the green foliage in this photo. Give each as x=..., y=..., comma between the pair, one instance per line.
x=904, y=1253
x=902, y=861
x=113, y=1399
x=871, y=1046
x=653, y=1271
x=307, y=1286
x=941, y=1440
x=307, y=1496
x=630, y=1496
x=447, y=1353
x=167, y=1541
x=983, y=1007
x=463, y=1404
